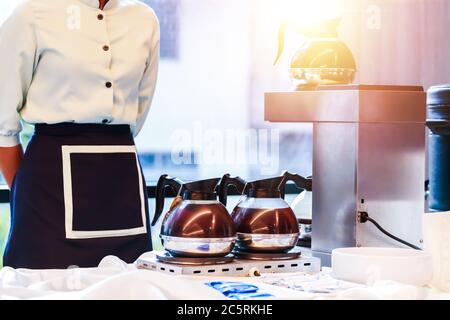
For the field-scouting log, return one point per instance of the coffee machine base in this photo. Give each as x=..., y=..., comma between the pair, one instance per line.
x=368, y=156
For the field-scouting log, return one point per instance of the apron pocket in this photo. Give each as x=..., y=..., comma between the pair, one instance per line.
x=103, y=192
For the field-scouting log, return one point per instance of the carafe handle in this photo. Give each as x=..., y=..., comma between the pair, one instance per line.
x=300, y=182
x=228, y=181
x=164, y=181
x=281, y=35
x=325, y=29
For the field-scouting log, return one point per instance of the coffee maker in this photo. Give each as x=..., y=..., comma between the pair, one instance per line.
x=368, y=157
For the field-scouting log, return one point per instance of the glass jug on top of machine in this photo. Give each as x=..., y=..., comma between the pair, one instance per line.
x=265, y=222
x=197, y=224
x=322, y=59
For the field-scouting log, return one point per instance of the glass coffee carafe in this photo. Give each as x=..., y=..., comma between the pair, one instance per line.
x=264, y=220
x=321, y=59
x=197, y=224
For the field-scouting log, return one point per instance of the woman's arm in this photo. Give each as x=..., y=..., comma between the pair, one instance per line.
x=18, y=49
x=10, y=159
x=148, y=82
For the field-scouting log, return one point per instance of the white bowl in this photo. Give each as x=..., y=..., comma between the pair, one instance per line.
x=368, y=265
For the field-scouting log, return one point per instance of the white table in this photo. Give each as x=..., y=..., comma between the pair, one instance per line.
x=114, y=279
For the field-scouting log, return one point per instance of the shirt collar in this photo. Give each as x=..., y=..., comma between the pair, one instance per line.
x=95, y=3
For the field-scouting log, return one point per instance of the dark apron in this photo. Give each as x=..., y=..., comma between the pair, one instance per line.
x=78, y=196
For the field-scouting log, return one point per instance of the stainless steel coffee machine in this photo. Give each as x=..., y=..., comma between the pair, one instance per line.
x=368, y=156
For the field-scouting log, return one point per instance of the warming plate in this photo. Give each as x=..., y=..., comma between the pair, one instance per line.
x=234, y=268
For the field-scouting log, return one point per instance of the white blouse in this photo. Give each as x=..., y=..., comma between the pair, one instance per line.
x=69, y=61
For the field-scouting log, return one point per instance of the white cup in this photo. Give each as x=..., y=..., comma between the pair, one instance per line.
x=436, y=237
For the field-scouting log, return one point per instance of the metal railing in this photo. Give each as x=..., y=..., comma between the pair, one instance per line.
x=151, y=190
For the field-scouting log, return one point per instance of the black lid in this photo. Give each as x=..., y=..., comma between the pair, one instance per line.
x=438, y=108
x=200, y=190
x=438, y=95
x=266, y=188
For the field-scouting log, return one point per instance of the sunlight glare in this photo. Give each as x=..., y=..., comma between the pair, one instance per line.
x=304, y=12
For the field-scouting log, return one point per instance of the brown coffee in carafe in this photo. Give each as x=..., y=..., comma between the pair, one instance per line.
x=264, y=221
x=200, y=221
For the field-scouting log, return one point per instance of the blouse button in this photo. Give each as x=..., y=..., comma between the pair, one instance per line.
x=105, y=48
x=100, y=17
x=108, y=84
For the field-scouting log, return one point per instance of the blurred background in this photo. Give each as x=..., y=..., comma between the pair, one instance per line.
x=217, y=61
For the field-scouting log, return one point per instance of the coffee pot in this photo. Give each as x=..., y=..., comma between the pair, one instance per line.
x=322, y=59
x=264, y=220
x=197, y=224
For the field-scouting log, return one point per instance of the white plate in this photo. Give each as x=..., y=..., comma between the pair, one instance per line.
x=368, y=265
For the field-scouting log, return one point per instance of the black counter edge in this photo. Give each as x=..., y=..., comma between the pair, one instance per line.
x=151, y=190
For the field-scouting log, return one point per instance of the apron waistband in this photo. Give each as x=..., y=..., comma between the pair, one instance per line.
x=77, y=128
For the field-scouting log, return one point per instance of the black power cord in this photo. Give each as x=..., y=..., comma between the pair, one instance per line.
x=363, y=217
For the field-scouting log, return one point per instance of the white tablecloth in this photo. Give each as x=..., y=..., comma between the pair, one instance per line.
x=114, y=279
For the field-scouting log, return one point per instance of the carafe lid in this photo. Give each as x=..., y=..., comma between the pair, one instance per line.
x=200, y=190
x=265, y=188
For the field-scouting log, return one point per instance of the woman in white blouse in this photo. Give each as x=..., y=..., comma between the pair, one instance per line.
x=84, y=72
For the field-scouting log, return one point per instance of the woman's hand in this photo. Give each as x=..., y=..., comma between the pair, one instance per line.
x=10, y=159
